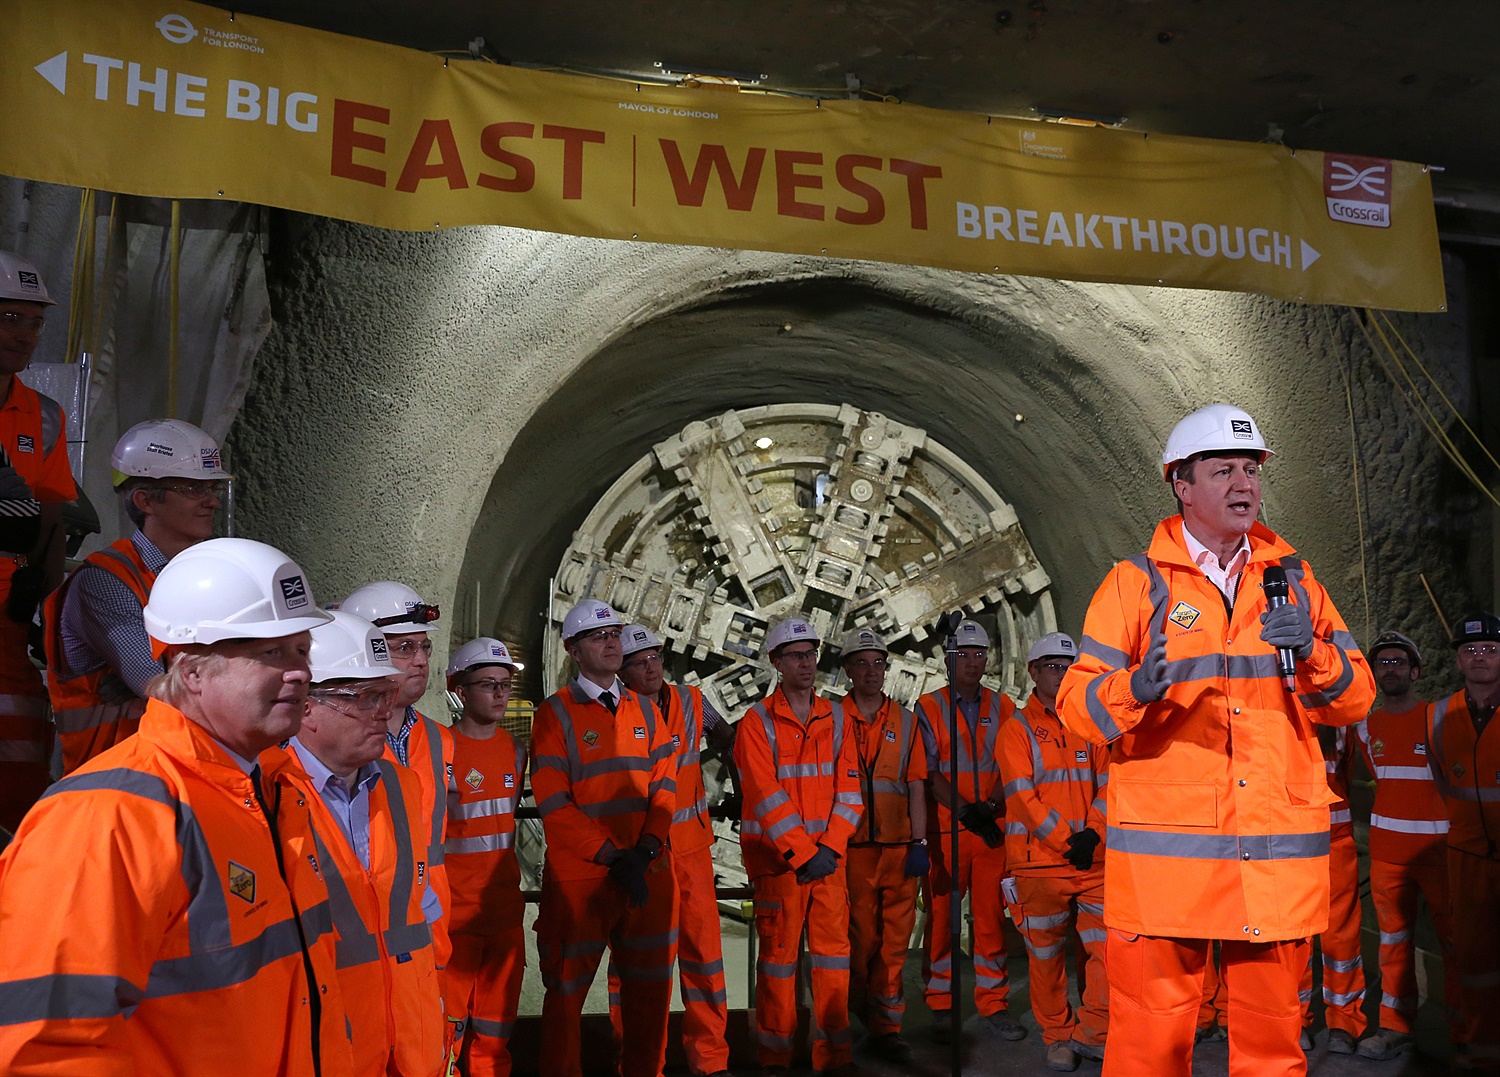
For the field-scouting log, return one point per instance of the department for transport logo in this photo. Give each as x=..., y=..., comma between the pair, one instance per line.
x=1183, y=615
x=293, y=592
x=242, y=882
x=1357, y=189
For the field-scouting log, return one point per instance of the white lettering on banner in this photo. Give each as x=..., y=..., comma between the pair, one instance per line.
x=665, y=110
x=1201, y=239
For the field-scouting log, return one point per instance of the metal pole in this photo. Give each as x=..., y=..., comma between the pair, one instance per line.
x=955, y=895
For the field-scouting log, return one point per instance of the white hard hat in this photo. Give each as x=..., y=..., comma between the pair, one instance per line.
x=165, y=449
x=349, y=648
x=229, y=588
x=392, y=607
x=971, y=634
x=1216, y=428
x=482, y=651
x=638, y=638
x=19, y=279
x=1053, y=645
x=790, y=630
x=587, y=616
x=861, y=639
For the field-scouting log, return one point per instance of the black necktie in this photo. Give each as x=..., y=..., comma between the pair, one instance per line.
x=608, y=699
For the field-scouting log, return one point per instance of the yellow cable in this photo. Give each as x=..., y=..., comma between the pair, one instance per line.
x=109, y=247
x=81, y=299
x=1359, y=512
x=174, y=284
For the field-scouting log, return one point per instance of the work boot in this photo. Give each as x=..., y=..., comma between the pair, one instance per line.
x=891, y=1047
x=1211, y=1034
x=1088, y=1050
x=1305, y=1041
x=1384, y=1044
x=1000, y=1023
x=1340, y=1042
x=1061, y=1056
x=941, y=1029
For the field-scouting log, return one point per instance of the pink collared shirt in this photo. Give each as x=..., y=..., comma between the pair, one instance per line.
x=1225, y=577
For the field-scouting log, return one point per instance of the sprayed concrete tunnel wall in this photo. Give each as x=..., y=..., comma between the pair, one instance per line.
x=446, y=408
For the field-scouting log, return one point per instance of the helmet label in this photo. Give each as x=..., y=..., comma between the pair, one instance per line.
x=28, y=281
x=1242, y=429
x=379, y=649
x=293, y=592
x=210, y=459
x=159, y=449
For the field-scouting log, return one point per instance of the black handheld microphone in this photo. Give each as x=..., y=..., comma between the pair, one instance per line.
x=1277, y=595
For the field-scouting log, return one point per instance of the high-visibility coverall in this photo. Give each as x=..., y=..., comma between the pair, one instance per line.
x=90, y=720
x=482, y=983
x=1218, y=800
x=428, y=746
x=1343, y=963
x=31, y=435
x=980, y=868
x=1465, y=764
x=700, y=950
x=882, y=898
x=801, y=786
x=1408, y=856
x=384, y=947
x=603, y=781
x=147, y=925
x=1054, y=788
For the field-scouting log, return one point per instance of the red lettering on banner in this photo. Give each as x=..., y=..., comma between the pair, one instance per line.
x=573, y=139
x=917, y=175
x=739, y=193
x=523, y=167
x=789, y=181
x=347, y=139
x=874, y=211
x=419, y=165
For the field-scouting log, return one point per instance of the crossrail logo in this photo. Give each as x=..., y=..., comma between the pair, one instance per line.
x=1358, y=189
x=293, y=592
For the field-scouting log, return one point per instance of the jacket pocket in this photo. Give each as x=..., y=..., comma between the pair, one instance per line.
x=1310, y=794
x=1161, y=803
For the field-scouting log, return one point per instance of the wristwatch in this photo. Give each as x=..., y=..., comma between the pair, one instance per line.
x=919, y=841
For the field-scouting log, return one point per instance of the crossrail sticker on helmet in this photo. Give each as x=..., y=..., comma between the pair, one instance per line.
x=637, y=638
x=1215, y=428
x=20, y=280
x=348, y=647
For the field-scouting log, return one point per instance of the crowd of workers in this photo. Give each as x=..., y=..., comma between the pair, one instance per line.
x=262, y=858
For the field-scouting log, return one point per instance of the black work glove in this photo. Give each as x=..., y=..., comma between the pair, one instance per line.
x=1288, y=626
x=12, y=486
x=1149, y=681
x=972, y=818
x=1081, y=848
x=629, y=874
x=918, y=863
x=820, y=865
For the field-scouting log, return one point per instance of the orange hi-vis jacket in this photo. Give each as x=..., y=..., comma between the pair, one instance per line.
x=602, y=781
x=384, y=950
x=87, y=723
x=1409, y=821
x=890, y=755
x=1218, y=799
x=1465, y=764
x=429, y=751
x=691, y=828
x=1338, y=762
x=483, y=873
x=801, y=784
x=147, y=926
x=1054, y=788
x=978, y=748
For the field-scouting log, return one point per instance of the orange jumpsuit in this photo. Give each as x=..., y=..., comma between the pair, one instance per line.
x=1408, y=856
x=32, y=436
x=882, y=898
x=429, y=752
x=151, y=923
x=801, y=788
x=482, y=983
x=1343, y=963
x=1218, y=800
x=1054, y=788
x=87, y=722
x=1465, y=764
x=603, y=781
x=980, y=868
x=384, y=949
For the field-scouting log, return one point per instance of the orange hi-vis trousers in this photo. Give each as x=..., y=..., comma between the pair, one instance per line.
x=882, y=910
x=1044, y=907
x=783, y=909
x=700, y=967
x=1156, y=987
x=579, y=920
x=1213, y=1011
x=482, y=986
x=1394, y=889
x=1343, y=965
x=980, y=870
x=1474, y=883
x=25, y=733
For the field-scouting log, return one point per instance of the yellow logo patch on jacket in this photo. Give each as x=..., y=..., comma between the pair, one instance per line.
x=1183, y=615
x=242, y=882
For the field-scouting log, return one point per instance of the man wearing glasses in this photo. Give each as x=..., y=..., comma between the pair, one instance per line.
x=1463, y=753
x=602, y=772
x=171, y=480
x=799, y=763
x=888, y=852
x=35, y=481
x=371, y=845
x=482, y=983
x=1408, y=842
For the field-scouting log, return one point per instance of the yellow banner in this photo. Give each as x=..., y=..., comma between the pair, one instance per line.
x=178, y=100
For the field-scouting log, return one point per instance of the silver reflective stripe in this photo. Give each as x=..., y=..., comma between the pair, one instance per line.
x=483, y=843
x=900, y=789
x=1098, y=713
x=780, y=972
x=1010, y=789
x=1039, y=923
x=496, y=1030
x=440, y=787
x=1391, y=938
x=823, y=961
x=30, y=706
x=846, y=813
x=484, y=809
x=802, y=770
x=1416, y=774
x=818, y=826
x=790, y=822
x=1091, y=935
x=1219, y=846
x=355, y=946
x=773, y=1041
x=838, y=1037
x=1407, y=1004
x=1069, y=774
x=1047, y=825
x=1044, y=953
x=1348, y=965
x=775, y=800
x=66, y=997
x=613, y=765
x=1093, y=910
x=1313, y=700
x=1110, y=656
x=697, y=994
x=688, y=753
x=691, y=812
x=1408, y=826
x=1342, y=1000
x=700, y=968
x=213, y=969
x=604, y=808
x=552, y=803
x=1342, y=815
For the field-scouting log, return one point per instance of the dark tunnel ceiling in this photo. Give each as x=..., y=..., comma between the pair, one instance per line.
x=1413, y=80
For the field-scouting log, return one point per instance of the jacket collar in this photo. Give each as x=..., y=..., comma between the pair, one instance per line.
x=1169, y=548
x=189, y=743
